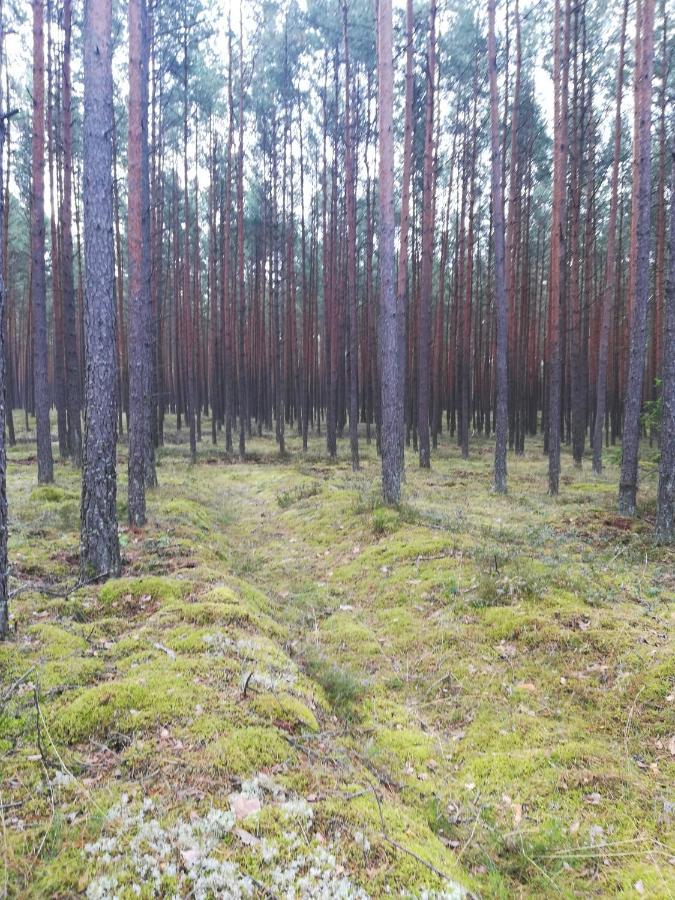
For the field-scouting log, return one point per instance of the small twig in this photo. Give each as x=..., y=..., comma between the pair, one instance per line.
x=538, y=867
x=10, y=690
x=246, y=682
x=399, y=846
x=56, y=591
x=473, y=831
x=14, y=804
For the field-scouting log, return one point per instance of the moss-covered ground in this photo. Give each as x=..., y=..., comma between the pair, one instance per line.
x=294, y=689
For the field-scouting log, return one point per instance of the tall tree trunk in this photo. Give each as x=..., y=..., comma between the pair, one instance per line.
x=4, y=579
x=241, y=286
x=391, y=306
x=424, y=308
x=99, y=543
x=73, y=385
x=665, y=506
x=558, y=241
x=139, y=268
x=638, y=334
x=350, y=200
x=38, y=278
x=610, y=265
x=500, y=274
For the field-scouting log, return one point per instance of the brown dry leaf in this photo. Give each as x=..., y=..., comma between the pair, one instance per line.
x=671, y=746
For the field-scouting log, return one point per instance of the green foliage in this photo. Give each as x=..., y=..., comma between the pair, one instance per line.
x=653, y=411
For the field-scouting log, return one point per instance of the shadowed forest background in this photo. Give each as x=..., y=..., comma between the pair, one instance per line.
x=337, y=448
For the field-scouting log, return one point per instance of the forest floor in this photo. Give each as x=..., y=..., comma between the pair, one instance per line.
x=295, y=689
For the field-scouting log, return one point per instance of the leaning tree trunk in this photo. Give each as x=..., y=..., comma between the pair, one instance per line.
x=99, y=543
x=38, y=278
x=665, y=525
x=502, y=420
x=638, y=334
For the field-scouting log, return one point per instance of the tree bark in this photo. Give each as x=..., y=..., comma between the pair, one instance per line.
x=99, y=543
x=558, y=242
x=424, y=307
x=4, y=588
x=391, y=305
x=638, y=335
x=38, y=278
x=665, y=501
x=500, y=274
x=139, y=267
x=610, y=266
x=350, y=201
x=73, y=385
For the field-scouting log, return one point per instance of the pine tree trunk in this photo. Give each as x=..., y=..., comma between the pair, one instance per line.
x=558, y=242
x=500, y=274
x=350, y=201
x=391, y=307
x=665, y=507
x=139, y=268
x=38, y=278
x=610, y=266
x=73, y=385
x=424, y=308
x=4, y=587
x=99, y=544
x=638, y=334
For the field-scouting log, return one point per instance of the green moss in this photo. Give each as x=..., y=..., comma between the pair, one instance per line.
x=248, y=750
x=153, y=586
x=147, y=698
x=220, y=594
x=70, y=672
x=50, y=493
x=403, y=746
x=286, y=709
x=57, y=642
x=187, y=512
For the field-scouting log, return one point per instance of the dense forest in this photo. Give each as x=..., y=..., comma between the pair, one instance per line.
x=393, y=282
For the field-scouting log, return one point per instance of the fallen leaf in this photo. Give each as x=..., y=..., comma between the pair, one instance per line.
x=671, y=746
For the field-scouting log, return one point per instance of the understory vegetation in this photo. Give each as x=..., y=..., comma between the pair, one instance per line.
x=292, y=688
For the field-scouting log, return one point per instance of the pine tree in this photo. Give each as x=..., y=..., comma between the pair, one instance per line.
x=99, y=542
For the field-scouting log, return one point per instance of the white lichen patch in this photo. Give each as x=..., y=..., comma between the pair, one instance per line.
x=194, y=855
